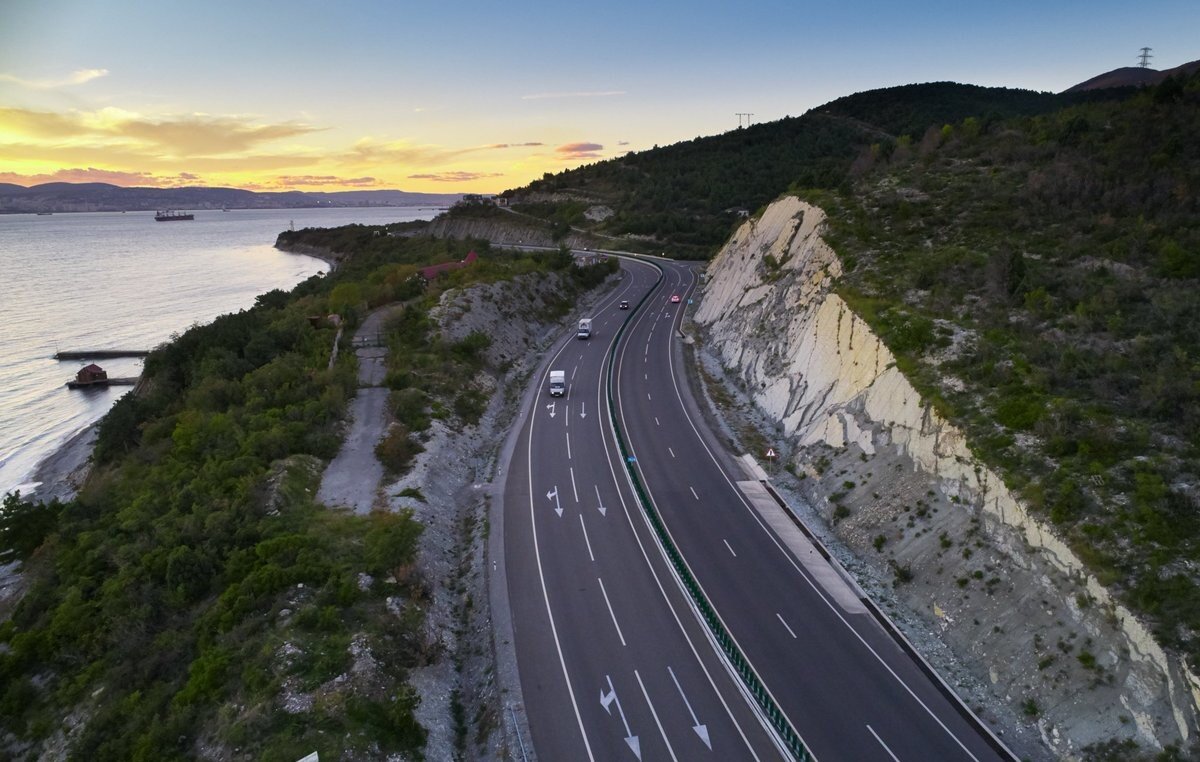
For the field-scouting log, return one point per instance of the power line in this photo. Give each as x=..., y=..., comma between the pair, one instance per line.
x=1145, y=57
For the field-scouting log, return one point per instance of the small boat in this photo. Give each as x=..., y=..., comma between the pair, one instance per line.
x=169, y=215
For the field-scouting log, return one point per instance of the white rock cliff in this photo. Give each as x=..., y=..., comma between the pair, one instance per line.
x=816, y=368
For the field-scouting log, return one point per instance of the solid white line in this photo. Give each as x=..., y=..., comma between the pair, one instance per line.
x=693, y=489
x=811, y=583
x=785, y=624
x=654, y=714
x=586, y=541
x=730, y=548
x=568, y=445
x=881, y=743
x=572, y=469
x=671, y=451
x=610, y=610
x=609, y=452
x=537, y=555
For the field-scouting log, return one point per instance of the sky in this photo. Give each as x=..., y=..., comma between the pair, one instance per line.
x=474, y=97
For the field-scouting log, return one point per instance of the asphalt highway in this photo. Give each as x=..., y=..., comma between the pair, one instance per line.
x=614, y=661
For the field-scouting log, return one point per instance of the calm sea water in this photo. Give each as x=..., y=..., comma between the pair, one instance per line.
x=112, y=280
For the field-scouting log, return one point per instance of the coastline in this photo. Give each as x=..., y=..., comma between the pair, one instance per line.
x=63, y=472
x=327, y=256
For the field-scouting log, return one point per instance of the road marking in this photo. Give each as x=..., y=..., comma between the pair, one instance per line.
x=574, y=371
x=656, y=423
x=645, y=376
x=568, y=445
x=537, y=555
x=785, y=625
x=648, y=396
x=881, y=743
x=611, y=613
x=553, y=495
x=671, y=451
x=599, y=502
x=693, y=489
x=586, y=541
x=812, y=584
x=573, y=489
x=654, y=714
x=730, y=548
x=606, y=701
x=567, y=415
x=701, y=729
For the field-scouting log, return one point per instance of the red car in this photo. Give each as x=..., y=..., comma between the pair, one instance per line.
x=675, y=299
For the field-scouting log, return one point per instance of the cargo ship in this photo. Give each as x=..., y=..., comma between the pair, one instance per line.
x=169, y=215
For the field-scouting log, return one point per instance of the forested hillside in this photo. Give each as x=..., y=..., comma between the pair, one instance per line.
x=195, y=599
x=1039, y=280
x=686, y=198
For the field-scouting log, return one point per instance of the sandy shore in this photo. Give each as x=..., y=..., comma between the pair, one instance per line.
x=62, y=473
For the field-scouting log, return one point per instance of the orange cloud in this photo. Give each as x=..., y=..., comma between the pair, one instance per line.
x=94, y=175
x=455, y=177
x=574, y=151
x=186, y=135
x=308, y=180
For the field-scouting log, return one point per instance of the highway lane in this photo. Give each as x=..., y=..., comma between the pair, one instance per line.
x=613, y=662
x=845, y=685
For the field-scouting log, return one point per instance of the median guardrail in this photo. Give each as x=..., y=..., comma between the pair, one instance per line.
x=754, y=685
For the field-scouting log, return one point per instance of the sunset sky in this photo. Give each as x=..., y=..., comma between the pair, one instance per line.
x=478, y=97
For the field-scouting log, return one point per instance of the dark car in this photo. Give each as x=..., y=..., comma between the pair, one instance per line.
x=624, y=304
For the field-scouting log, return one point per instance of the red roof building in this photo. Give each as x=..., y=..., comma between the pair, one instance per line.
x=433, y=271
x=90, y=374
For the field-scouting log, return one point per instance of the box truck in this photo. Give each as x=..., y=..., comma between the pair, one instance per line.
x=585, y=329
x=558, y=383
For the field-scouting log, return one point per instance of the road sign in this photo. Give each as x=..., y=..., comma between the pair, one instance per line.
x=771, y=453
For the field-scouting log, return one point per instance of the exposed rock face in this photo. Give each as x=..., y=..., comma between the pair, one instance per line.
x=503, y=230
x=905, y=491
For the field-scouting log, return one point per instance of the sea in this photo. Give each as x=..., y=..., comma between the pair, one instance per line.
x=113, y=280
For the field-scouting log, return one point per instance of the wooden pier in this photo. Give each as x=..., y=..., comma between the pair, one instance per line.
x=99, y=354
x=120, y=381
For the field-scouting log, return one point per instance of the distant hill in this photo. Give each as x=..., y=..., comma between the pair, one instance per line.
x=103, y=197
x=1132, y=76
x=686, y=198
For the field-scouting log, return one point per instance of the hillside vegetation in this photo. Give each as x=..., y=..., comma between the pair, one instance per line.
x=1038, y=279
x=195, y=599
x=687, y=198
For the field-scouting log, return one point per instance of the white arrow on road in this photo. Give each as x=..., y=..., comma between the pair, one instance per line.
x=550, y=407
x=600, y=503
x=606, y=701
x=553, y=495
x=701, y=730
x=583, y=410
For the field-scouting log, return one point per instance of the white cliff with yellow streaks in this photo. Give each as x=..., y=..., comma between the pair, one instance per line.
x=811, y=364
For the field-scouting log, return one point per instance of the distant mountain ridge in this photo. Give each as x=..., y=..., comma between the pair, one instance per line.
x=103, y=197
x=1133, y=76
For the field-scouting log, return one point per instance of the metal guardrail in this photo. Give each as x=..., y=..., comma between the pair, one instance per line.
x=737, y=660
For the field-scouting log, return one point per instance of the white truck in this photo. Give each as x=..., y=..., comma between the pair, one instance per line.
x=585, y=329
x=558, y=383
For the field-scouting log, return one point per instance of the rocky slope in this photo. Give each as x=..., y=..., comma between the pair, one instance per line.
x=905, y=493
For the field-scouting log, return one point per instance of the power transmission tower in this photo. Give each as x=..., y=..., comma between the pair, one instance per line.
x=741, y=114
x=1145, y=58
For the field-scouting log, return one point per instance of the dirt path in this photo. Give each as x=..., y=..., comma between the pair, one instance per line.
x=353, y=478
